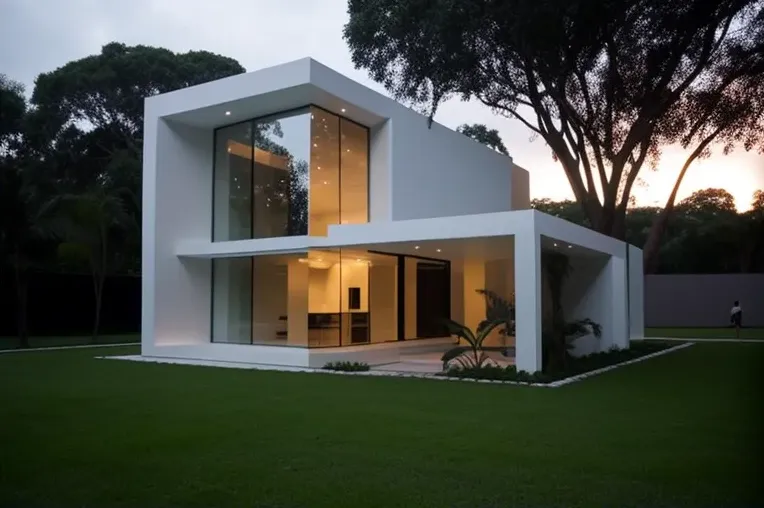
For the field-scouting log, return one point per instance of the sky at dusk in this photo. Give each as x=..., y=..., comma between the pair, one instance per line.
x=39, y=36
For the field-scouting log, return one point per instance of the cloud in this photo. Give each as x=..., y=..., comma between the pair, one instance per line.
x=39, y=36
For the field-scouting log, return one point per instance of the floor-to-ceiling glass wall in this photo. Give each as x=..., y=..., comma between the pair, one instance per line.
x=289, y=174
x=320, y=298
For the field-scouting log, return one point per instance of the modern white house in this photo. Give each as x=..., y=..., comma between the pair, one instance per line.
x=292, y=216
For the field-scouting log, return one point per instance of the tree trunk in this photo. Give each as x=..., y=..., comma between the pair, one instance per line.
x=653, y=243
x=98, y=300
x=21, y=302
x=99, y=276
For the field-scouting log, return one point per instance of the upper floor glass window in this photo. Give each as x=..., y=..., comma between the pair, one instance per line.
x=289, y=175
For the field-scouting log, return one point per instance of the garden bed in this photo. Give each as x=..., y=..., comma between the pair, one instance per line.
x=575, y=367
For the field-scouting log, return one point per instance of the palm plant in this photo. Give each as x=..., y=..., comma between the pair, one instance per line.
x=560, y=334
x=472, y=355
x=498, y=309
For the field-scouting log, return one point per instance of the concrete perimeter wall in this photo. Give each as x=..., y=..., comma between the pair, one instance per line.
x=703, y=300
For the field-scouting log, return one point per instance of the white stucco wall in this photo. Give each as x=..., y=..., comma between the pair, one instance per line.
x=177, y=205
x=437, y=172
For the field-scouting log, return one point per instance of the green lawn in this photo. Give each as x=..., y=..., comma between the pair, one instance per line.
x=677, y=430
x=705, y=333
x=35, y=342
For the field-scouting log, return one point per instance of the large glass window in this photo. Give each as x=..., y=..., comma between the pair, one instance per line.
x=232, y=300
x=290, y=174
x=320, y=298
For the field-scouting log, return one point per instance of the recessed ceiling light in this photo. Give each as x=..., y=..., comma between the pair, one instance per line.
x=555, y=245
x=227, y=113
x=570, y=246
x=416, y=247
x=359, y=260
x=343, y=110
x=437, y=250
x=315, y=145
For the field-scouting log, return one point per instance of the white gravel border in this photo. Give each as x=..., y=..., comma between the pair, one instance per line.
x=383, y=373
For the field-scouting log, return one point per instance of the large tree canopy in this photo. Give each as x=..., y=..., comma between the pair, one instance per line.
x=606, y=84
x=106, y=91
x=88, y=114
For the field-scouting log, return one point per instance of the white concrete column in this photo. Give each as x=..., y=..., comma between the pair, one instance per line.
x=636, y=294
x=619, y=327
x=528, y=300
x=410, y=298
x=474, y=304
x=297, y=303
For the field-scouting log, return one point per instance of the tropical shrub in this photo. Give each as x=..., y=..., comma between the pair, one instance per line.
x=347, y=366
x=473, y=355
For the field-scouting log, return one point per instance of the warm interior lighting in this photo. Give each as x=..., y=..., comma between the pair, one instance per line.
x=416, y=247
x=437, y=250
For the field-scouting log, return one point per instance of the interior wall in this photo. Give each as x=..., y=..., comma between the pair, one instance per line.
x=298, y=299
x=500, y=278
x=269, y=299
x=457, y=291
x=383, y=302
x=474, y=303
x=328, y=288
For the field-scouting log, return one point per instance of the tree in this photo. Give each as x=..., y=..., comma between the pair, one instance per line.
x=24, y=201
x=708, y=202
x=86, y=223
x=482, y=134
x=605, y=84
x=565, y=209
x=88, y=115
x=757, y=202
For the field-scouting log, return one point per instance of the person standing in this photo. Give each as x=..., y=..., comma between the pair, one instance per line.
x=736, y=317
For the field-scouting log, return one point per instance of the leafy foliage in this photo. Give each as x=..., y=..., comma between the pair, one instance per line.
x=474, y=355
x=500, y=309
x=605, y=84
x=70, y=162
x=576, y=366
x=558, y=334
x=706, y=234
x=347, y=366
x=482, y=134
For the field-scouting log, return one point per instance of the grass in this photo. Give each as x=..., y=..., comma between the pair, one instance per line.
x=705, y=333
x=677, y=430
x=40, y=342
